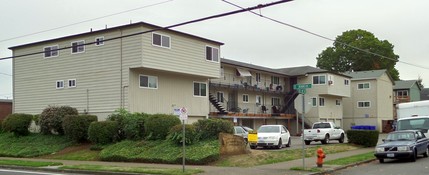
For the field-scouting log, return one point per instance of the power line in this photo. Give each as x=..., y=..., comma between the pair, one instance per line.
x=324, y=37
x=93, y=19
x=163, y=28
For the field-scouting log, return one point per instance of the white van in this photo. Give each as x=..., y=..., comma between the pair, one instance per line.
x=414, y=123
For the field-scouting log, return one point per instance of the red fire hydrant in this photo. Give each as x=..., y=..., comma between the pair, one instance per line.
x=320, y=156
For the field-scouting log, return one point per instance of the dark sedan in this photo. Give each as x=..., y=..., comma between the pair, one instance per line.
x=406, y=144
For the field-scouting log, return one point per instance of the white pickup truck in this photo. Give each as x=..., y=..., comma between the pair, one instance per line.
x=323, y=132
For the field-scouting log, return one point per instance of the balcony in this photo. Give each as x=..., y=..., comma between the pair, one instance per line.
x=252, y=115
x=401, y=99
x=251, y=110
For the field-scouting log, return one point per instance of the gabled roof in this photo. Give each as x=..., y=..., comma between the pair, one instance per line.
x=302, y=70
x=116, y=28
x=368, y=75
x=250, y=66
x=405, y=84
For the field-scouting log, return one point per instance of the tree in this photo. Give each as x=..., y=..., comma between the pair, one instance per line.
x=342, y=58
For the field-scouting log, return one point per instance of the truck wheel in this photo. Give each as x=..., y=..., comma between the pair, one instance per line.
x=288, y=143
x=341, y=139
x=307, y=142
x=280, y=145
x=326, y=140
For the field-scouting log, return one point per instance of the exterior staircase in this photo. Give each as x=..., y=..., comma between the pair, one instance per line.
x=217, y=104
x=289, y=102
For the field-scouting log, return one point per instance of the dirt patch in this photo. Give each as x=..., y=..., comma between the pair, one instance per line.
x=68, y=150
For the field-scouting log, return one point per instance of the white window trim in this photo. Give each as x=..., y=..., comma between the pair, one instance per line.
x=320, y=98
x=58, y=47
x=272, y=104
x=247, y=98
x=364, y=103
x=71, y=45
x=218, y=54
x=157, y=85
x=272, y=80
x=369, y=86
x=397, y=93
x=312, y=104
x=223, y=96
x=68, y=83
x=200, y=83
x=169, y=41
x=95, y=42
x=56, y=84
x=256, y=99
x=256, y=77
x=338, y=100
x=312, y=78
x=348, y=84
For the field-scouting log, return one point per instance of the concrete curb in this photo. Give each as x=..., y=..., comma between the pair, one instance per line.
x=56, y=170
x=343, y=167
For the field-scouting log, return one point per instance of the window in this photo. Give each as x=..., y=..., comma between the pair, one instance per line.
x=364, y=104
x=50, y=51
x=60, y=84
x=72, y=83
x=275, y=80
x=78, y=46
x=160, y=40
x=258, y=77
x=319, y=79
x=258, y=100
x=200, y=89
x=346, y=82
x=402, y=94
x=147, y=81
x=363, y=86
x=245, y=98
x=321, y=101
x=338, y=102
x=314, y=102
x=99, y=41
x=275, y=101
x=212, y=54
x=220, y=97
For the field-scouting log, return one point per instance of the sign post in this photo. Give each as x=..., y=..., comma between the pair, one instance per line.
x=301, y=88
x=183, y=117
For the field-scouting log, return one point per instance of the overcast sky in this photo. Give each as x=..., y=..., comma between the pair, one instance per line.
x=248, y=38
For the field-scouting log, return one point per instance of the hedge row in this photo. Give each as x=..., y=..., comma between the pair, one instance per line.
x=76, y=126
x=52, y=117
x=17, y=124
x=363, y=137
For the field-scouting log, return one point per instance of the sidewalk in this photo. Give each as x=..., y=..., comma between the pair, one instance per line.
x=282, y=168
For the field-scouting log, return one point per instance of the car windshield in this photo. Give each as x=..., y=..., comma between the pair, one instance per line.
x=247, y=128
x=269, y=129
x=400, y=136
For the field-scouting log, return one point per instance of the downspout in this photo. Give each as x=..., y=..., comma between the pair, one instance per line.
x=122, y=92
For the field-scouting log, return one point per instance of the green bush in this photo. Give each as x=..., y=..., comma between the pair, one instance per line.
x=131, y=126
x=157, y=126
x=76, y=126
x=176, y=134
x=1, y=125
x=210, y=128
x=103, y=132
x=51, y=118
x=36, y=119
x=17, y=124
x=363, y=137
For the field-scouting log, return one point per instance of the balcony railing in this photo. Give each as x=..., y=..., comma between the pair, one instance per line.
x=402, y=99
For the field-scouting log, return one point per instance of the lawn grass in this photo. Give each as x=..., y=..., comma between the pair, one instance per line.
x=261, y=157
x=146, y=170
x=351, y=159
x=32, y=145
x=82, y=155
x=28, y=163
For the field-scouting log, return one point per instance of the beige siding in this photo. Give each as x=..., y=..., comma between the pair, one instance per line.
x=385, y=98
x=337, y=88
x=174, y=91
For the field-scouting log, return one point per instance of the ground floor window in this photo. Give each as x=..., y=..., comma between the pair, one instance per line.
x=200, y=89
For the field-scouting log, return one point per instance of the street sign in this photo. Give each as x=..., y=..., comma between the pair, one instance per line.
x=302, y=91
x=183, y=114
x=301, y=86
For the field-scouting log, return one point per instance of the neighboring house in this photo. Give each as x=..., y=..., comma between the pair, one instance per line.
x=5, y=108
x=406, y=91
x=152, y=72
x=424, y=94
x=371, y=101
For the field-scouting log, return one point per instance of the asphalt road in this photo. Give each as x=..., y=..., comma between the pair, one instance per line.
x=27, y=172
x=390, y=167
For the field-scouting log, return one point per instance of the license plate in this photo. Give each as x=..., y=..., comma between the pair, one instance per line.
x=390, y=155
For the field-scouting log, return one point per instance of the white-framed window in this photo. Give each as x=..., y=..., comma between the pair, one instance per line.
x=364, y=104
x=347, y=82
x=219, y=96
x=338, y=102
x=200, y=89
x=50, y=51
x=258, y=77
x=72, y=83
x=275, y=101
x=321, y=101
x=160, y=40
x=363, y=85
x=319, y=79
x=258, y=99
x=212, y=54
x=275, y=80
x=59, y=84
x=78, y=46
x=147, y=81
x=402, y=93
x=245, y=98
x=99, y=41
x=314, y=101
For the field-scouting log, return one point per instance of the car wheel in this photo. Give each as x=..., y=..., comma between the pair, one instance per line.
x=381, y=160
x=426, y=154
x=307, y=142
x=252, y=147
x=414, y=156
x=326, y=140
x=280, y=145
x=341, y=139
x=288, y=143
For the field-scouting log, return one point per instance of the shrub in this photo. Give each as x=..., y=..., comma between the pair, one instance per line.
x=1, y=125
x=363, y=137
x=210, y=128
x=51, y=118
x=36, y=119
x=103, y=132
x=176, y=134
x=131, y=126
x=76, y=126
x=157, y=126
x=17, y=124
